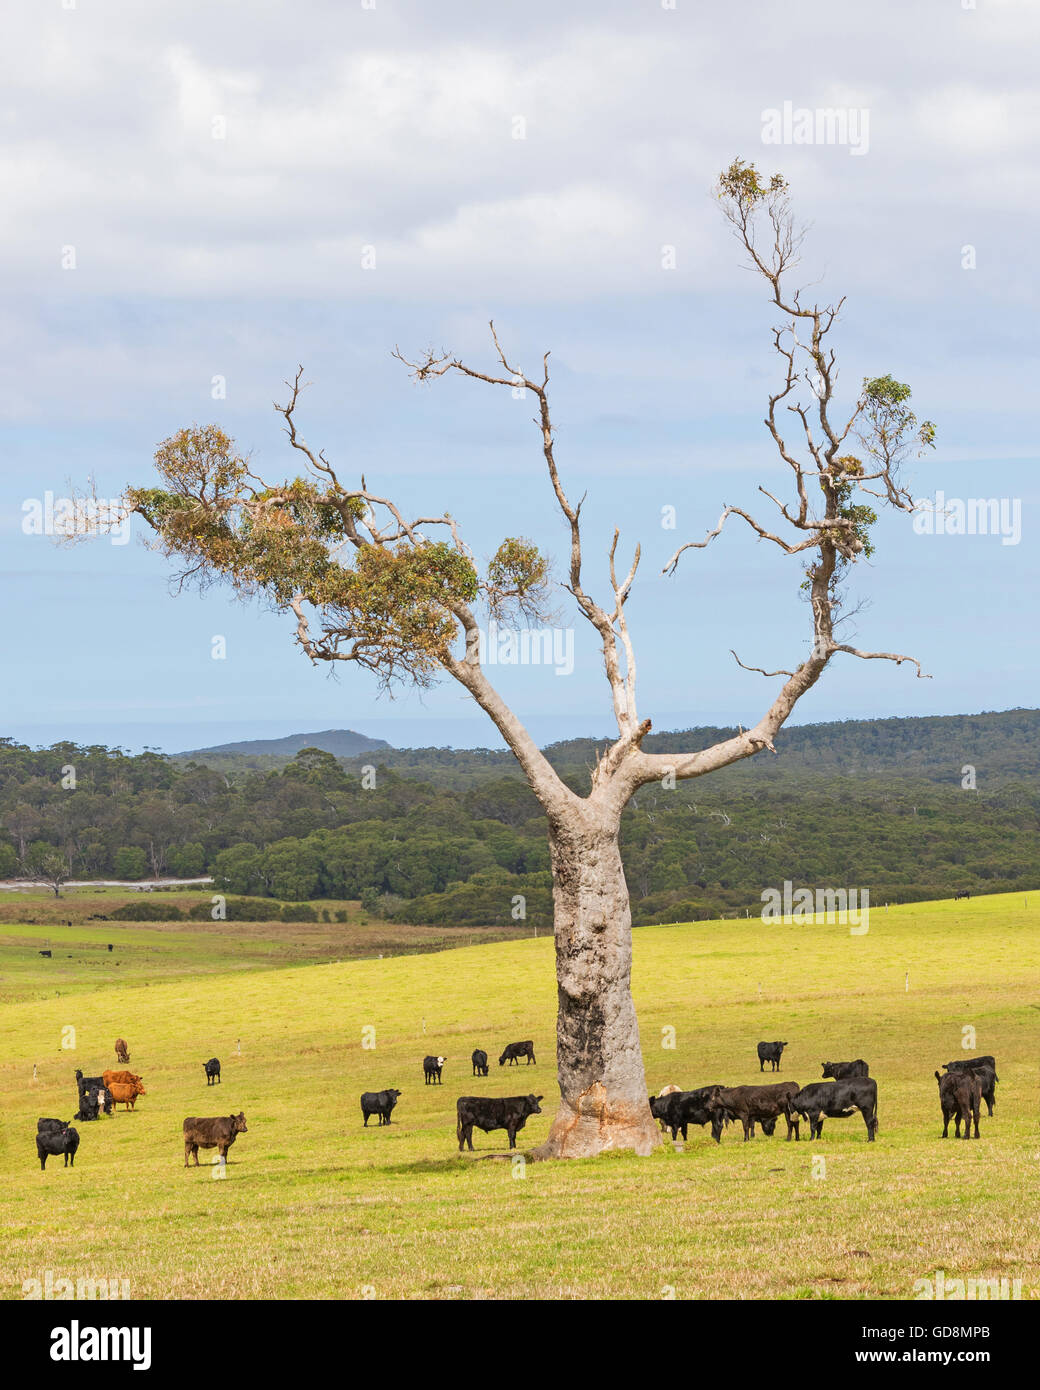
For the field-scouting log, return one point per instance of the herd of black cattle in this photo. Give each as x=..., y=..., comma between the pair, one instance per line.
x=510, y=1113
x=847, y=1088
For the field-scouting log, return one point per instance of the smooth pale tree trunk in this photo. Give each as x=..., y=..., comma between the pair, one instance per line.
x=603, y=1096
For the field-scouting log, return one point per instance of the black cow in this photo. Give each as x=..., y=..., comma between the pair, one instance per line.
x=970, y=1063
x=838, y=1100
x=678, y=1109
x=379, y=1103
x=487, y=1113
x=985, y=1069
x=432, y=1068
x=764, y=1104
x=45, y=953
x=961, y=893
x=480, y=1062
x=842, y=1071
x=51, y=1142
x=87, y=1084
x=960, y=1094
x=514, y=1051
x=212, y=1071
x=89, y=1105
x=770, y=1052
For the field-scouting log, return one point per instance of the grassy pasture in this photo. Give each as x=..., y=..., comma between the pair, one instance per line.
x=313, y=1205
x=146, y=953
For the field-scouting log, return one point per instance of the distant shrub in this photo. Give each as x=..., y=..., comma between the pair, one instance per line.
x=255, y=910
x=298, y=912
x=145, y=911
x=239, y=910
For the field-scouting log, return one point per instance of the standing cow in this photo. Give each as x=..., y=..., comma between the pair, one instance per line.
x=770, y=1052
x=379, y=1103
x=126, y=1094
x=748, y=1104
x=487, y=1113
x=985, y=1068
x=670, y=1090
x=675, y=1110
x=212, y=1071
x=55, y=1137
x=89, y=1085
x=837, y=1100
x=432, y=1068
x=218, y=1133
x=960, y=1094
x=843, y=1071
x=125, y=1078
x=514, y=1051
x=122, y=1052
x=89, y=1105
x=480, y=1062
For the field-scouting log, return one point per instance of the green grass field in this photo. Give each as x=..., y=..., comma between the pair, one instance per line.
x=146, y=953
x=313, y=1205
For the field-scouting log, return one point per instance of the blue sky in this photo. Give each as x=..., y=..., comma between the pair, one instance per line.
x=394, y=128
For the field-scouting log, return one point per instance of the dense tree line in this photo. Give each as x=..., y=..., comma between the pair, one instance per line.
x=1002, y=746
x=476, y=852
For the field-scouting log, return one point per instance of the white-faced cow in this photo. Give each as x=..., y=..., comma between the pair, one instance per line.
x=432, y=1068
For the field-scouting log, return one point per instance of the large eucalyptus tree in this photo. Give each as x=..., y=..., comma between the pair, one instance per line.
x=403, y=596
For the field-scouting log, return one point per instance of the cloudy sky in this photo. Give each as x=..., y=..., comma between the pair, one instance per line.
x=212, y=192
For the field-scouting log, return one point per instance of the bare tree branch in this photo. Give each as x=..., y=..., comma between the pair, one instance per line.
x=759, y=669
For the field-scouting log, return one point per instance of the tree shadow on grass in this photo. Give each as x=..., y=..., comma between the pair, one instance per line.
x=456, y=1163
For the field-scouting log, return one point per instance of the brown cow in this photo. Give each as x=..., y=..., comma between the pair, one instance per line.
x=126, y=1094
x=124, y=1078
x=122, y=1052
x=218, y=1133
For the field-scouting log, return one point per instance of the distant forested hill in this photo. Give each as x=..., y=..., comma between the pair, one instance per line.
x=341, y=743
x=1002, y=747
x=456, y=837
